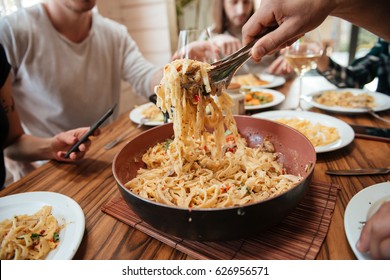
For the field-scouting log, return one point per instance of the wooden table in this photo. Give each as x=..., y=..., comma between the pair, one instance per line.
x=91, y=184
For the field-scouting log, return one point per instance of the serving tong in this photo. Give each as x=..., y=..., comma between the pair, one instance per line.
x=222, y=71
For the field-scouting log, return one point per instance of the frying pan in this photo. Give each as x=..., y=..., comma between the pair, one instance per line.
x=298, y=156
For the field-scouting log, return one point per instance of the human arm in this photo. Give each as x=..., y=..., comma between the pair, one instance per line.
x=280, y=67
x=375, y=236
x=24, y=147
x=295, y=18
x=360, y=72
x=198, y=50
x=226, y=43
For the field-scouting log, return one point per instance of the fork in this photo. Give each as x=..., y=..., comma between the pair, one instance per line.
x=113, y=143
x=375, y=115
x=223, y=70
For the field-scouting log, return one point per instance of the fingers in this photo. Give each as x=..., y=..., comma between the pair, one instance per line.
x=65, y=140
x=280, y=67
x=73, y=157
x=375, y=236
x=363, y=244
x=272, y=42
x=384, y=248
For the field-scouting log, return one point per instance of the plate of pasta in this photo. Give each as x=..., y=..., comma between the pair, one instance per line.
x=261, y=80
x=326, y=133
x=49, y=226
x=348, y=100
x=260, y=98
x=149, y=114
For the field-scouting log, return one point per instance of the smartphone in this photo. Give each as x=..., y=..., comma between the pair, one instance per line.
x=75, y=147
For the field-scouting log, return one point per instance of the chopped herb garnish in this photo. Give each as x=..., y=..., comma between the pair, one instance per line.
x=166, y=146
x=36, y=235
x=227, y=132
x=56, y=237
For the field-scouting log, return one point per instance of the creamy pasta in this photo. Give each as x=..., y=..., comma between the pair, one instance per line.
x=318, y=134
x=345, y=99
x=29, y=237
x=207, y=164
x=152, y=113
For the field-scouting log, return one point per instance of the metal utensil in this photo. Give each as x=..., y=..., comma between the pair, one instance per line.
x=113, y=143
x=224, y=69
x=375, y=115
x=356, y=172
x=370, y=132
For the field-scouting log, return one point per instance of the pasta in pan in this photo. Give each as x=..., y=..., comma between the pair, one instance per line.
x=29, y=237
x=199, y=168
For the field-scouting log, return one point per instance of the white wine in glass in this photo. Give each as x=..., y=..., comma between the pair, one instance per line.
x=303, y=56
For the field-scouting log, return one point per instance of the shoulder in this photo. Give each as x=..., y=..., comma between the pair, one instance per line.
x=108, y=26
x=24, y=16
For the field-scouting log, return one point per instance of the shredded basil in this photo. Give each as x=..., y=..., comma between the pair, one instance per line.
x=166, y=146
x=36, y=235
x=56, y=237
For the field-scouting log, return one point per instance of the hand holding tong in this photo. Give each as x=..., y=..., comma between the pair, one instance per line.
x=223, y=70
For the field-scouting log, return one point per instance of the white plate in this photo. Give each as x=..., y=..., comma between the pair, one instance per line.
x=272, y=81
x=356, y=213
x=64, y=209
x=346, y=132
x=278, y=98
x=382, y=101
x=136, y=115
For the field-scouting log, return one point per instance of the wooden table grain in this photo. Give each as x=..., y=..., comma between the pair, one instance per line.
x=91, y=184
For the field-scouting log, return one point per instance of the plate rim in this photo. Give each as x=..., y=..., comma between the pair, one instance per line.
x=309, y=98
x=350, y=218
x=276, y=93
x=66, y=210
x=321, y=149
x=280, y=80
x=133, y=115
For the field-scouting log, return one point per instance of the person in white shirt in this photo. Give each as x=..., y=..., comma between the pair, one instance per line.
x=67, y=64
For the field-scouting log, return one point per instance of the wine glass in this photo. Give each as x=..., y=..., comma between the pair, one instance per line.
x=303, y=56
x=196, y=44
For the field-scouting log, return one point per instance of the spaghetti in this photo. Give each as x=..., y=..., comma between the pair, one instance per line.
x=207, y=164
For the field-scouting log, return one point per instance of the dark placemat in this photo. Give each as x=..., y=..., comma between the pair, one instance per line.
x=298, y=236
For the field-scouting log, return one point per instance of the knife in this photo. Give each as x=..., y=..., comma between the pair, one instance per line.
x=370, y=132
x=363, y=171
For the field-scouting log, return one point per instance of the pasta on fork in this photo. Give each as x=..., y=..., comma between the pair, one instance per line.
x=207, y=164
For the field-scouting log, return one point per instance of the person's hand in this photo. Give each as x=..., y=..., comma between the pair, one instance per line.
x=227, y=44
x=199, y=50
x=375, y=236
x=63, y=141
x=294, y=18
x=280, y=67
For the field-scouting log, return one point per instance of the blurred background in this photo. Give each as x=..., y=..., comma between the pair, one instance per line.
x=155, y=24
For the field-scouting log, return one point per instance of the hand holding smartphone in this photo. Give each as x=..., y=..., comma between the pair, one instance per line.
x=90, y=132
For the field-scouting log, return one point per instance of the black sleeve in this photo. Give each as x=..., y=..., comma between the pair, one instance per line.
x=5, y=67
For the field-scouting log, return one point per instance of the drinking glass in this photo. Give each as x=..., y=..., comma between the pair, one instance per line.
x=196, y=44
x=303, y=56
